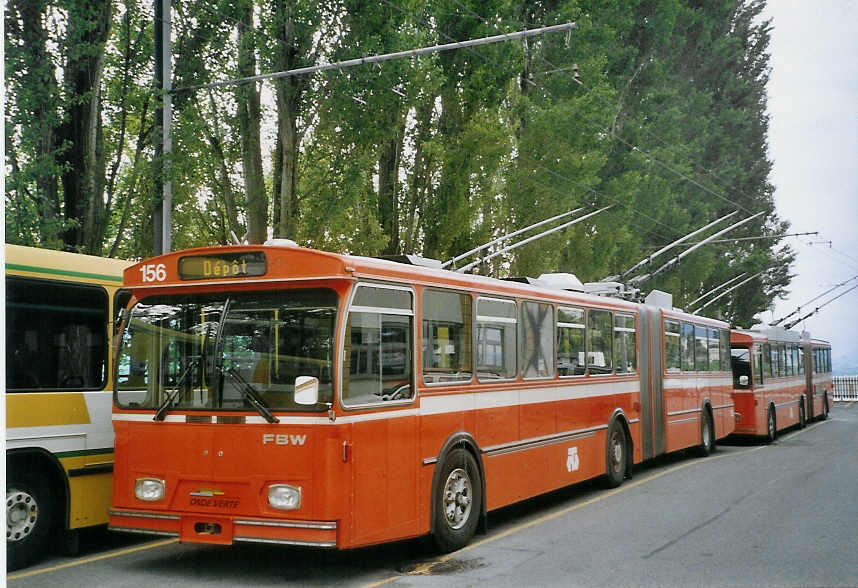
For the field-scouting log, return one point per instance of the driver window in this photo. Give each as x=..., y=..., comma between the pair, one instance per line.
x=378, y=356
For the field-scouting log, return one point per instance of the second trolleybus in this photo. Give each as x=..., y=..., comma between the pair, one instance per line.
x=278, y=394
x=781, y=380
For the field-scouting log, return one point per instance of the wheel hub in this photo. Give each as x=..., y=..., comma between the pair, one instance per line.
x=457, y=498
x=21, y=514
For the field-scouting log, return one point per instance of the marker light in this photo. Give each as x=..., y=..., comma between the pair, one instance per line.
x=284, y=497
x=149, y=489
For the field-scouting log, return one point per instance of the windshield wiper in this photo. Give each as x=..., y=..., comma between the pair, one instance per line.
x=252, y=396
x=171, y=398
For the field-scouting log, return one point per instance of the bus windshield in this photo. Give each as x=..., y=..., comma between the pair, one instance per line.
x=224, y=351
x=740, y=361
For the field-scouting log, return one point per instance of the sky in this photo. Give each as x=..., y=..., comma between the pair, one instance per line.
x=813, y=142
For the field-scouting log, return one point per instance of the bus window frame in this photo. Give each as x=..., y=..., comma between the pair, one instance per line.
x=477, y=320
x=463, y=382
x=552, y=372
x=348, y=307
x=106, y=341
x=564, y=325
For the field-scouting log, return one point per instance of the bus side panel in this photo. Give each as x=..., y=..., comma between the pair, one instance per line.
x=682, y=412
x=745, y=406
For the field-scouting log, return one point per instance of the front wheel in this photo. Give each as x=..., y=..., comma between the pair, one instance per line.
x=29, y=519
x=707, y=435
x=457, y=501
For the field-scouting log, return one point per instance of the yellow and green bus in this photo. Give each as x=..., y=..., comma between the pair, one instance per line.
x=60, y=319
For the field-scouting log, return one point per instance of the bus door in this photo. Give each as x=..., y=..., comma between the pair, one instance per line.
x=378, y=388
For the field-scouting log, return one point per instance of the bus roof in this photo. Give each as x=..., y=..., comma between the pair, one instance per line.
x=283, y=263
x=33, y=261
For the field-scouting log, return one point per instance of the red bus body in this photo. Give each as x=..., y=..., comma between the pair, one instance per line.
x=371, y=473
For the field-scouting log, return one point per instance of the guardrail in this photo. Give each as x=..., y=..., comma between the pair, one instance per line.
x=845, y=388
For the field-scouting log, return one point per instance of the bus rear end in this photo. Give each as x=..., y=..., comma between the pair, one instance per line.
x=208, y=354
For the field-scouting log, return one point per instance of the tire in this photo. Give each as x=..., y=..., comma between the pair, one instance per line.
x=802, y=418
x=707, y=435
x=457, y=501
x=772, y=425
x=29, y=519
x=616, y=447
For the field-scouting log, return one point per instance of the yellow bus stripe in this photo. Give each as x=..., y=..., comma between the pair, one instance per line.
x=62, y=272
x=45, y=409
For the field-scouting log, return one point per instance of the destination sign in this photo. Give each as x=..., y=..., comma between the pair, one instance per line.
x=222, y=265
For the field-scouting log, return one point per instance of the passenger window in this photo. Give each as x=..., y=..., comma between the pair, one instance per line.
x=672, y=347
x=56, y=335
x=625, y=341
x=714, y=351
x=599, y=341
x=378, y=358
x=447, y=323
x=701, y=349
x=724, y=338
x=537, y=340
x=496, y=339
x=571, y=342
x=687, y=347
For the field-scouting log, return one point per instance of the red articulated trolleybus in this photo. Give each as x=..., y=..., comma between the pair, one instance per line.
x=279, y=394
x=780, y=379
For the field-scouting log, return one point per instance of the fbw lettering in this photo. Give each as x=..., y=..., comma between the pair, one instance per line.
x=283, y=439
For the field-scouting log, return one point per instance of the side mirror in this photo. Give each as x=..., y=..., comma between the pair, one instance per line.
x=306, y=390
x=743, y=380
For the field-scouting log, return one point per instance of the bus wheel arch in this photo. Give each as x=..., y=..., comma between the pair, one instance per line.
x=460, y=449
x=37, y=498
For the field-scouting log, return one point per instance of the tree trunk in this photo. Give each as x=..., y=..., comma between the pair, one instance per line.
x=88, y=28
x=249, y=120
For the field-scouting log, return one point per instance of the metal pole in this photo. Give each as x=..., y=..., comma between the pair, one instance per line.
x=649, y=258
x=157, y=199
x=722, y=294
x=798, y=309
x=641, y=279
x=715, y=289
x=465, y=268
x=167, y=164
x=818, y=308
x=388, y=56
x=508, y=236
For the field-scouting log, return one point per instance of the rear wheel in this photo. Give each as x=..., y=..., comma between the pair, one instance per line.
x=615, y=455
x=457, y=501
x=29, y=519
x=772, y=431
x=707, y=435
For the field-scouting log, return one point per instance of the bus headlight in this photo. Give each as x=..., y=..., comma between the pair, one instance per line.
x=149, y=489
x=284, y=497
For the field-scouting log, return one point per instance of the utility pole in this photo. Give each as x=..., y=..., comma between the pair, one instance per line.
x=163, y=197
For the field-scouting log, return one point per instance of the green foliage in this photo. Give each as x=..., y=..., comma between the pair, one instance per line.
x=663, y=120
